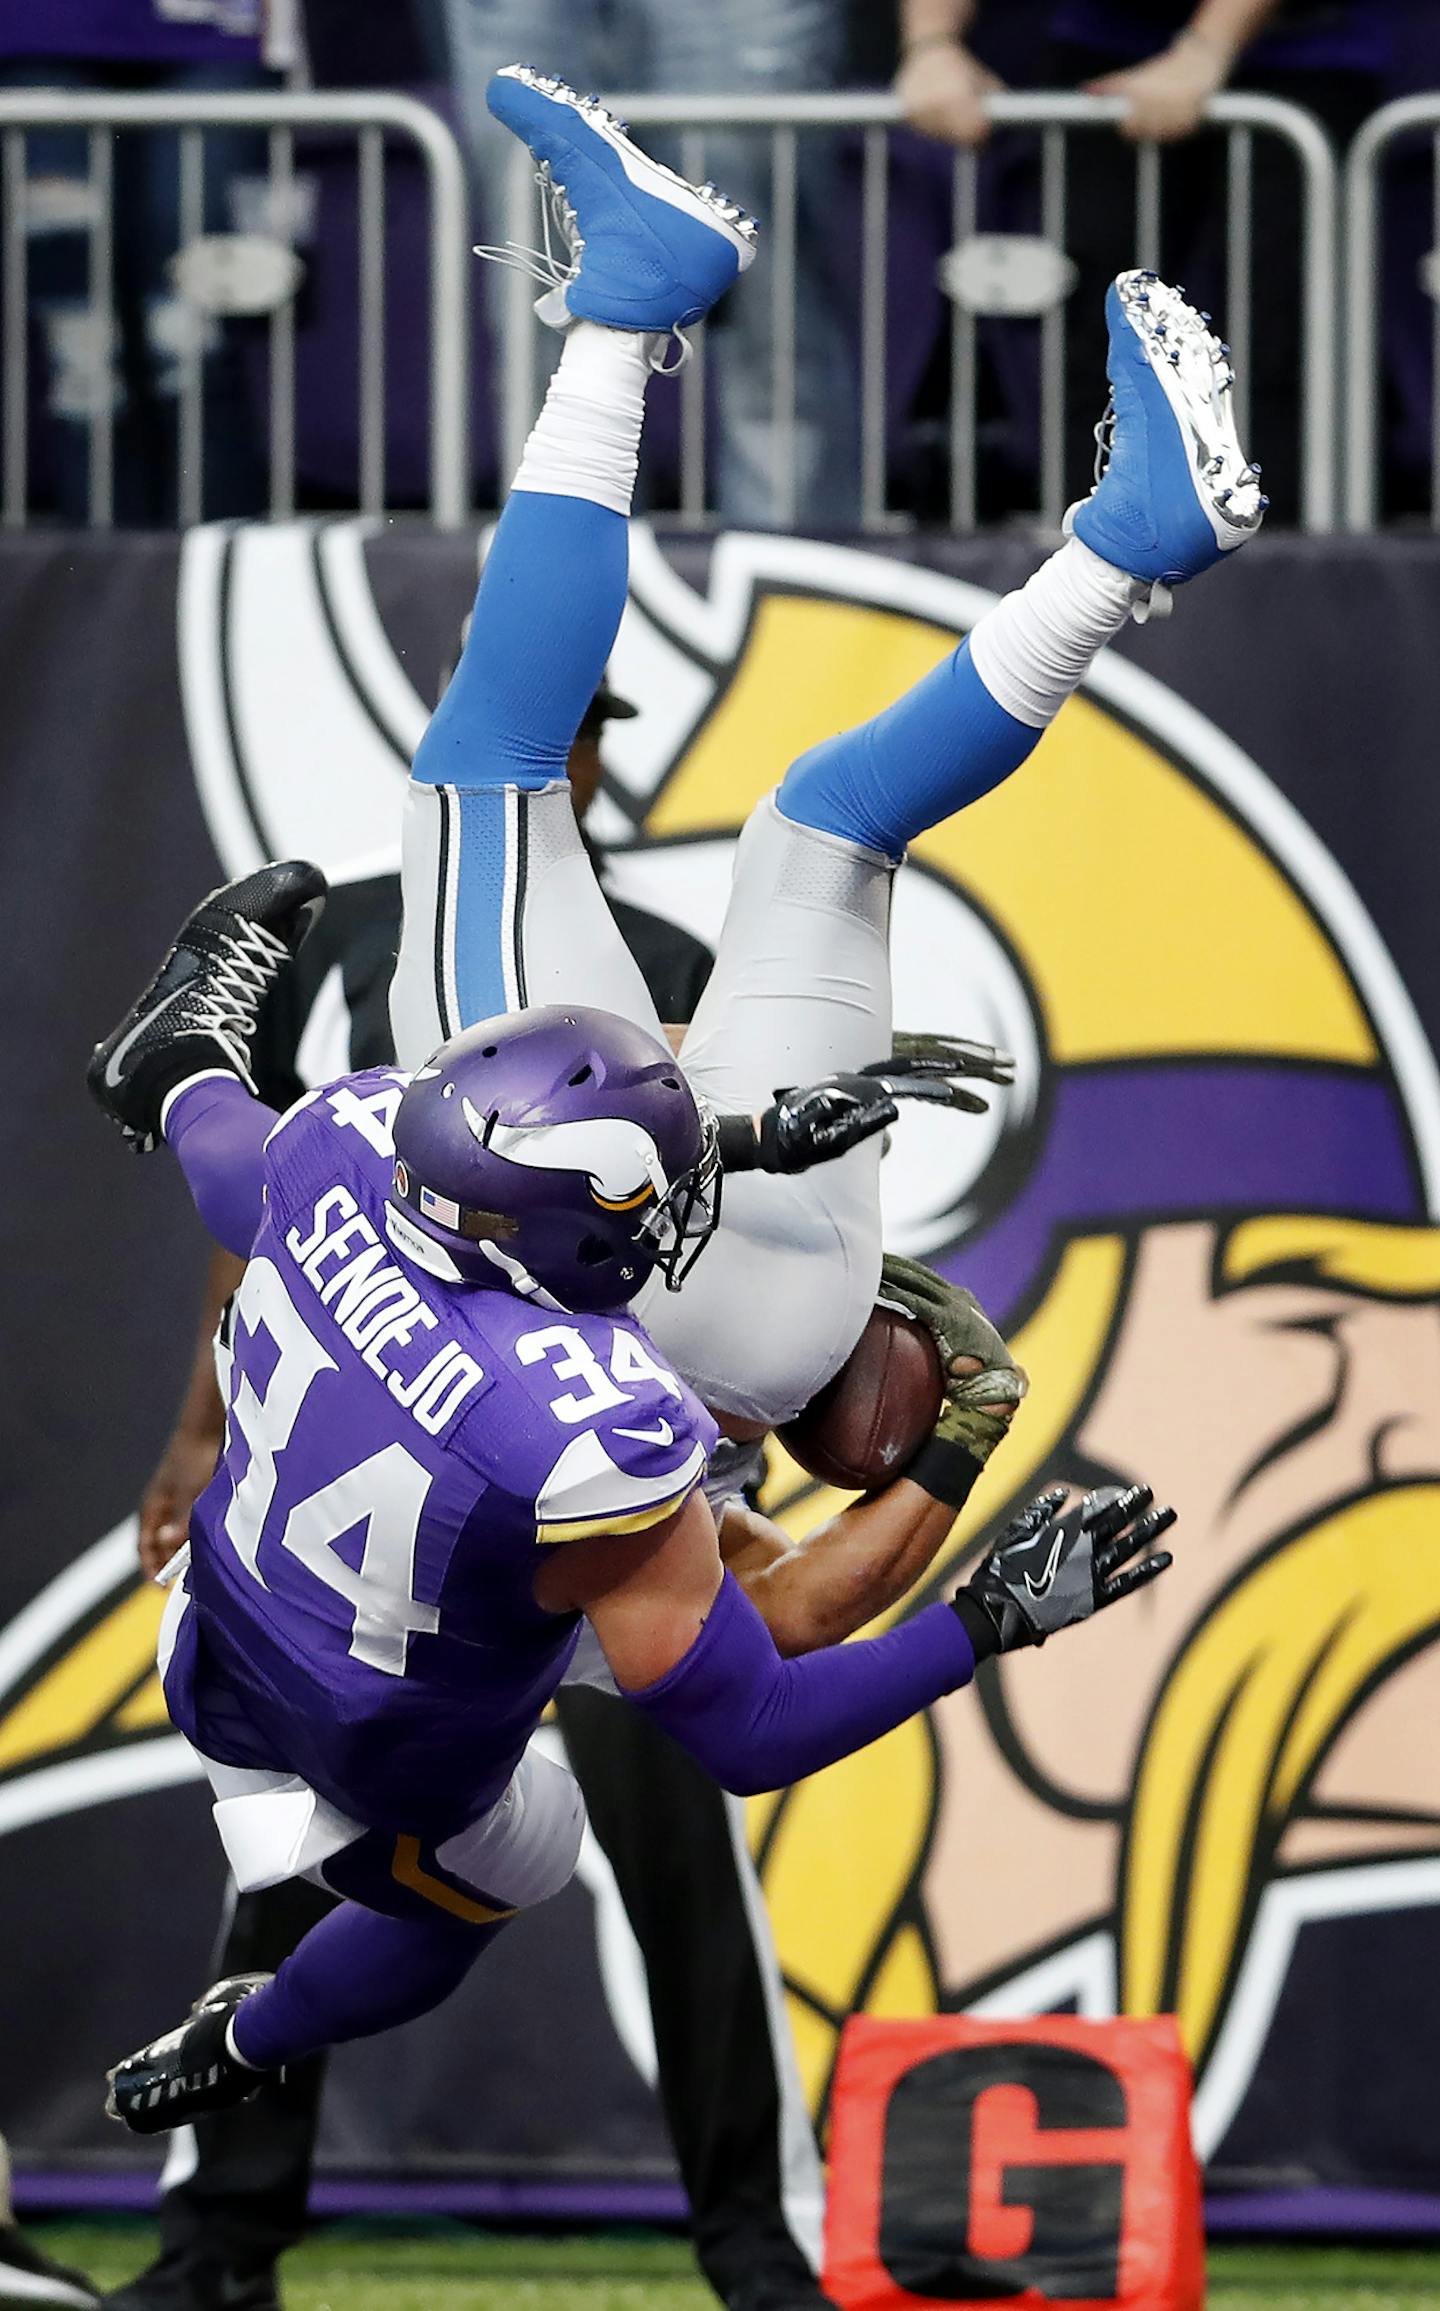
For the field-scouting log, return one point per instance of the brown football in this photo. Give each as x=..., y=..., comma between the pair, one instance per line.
x=876, y=1412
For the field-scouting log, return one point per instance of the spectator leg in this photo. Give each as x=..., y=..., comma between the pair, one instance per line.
x=234, y=481
x=480, y=36
x=746, y=48
x=1341, y=101
x=71, y=372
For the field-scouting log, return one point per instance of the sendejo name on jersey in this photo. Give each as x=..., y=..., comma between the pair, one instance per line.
x=379, y=1310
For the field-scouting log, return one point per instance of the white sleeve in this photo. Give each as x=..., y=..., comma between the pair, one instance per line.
x=588, y=1492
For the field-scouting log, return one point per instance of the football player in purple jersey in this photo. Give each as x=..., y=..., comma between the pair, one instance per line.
x=447, y=1442
x=424, y=1485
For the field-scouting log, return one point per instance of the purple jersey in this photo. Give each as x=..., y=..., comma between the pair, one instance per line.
x=398, y=1455
x=157, y=32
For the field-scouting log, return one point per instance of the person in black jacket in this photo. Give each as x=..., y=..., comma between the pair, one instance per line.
x=726, y=2074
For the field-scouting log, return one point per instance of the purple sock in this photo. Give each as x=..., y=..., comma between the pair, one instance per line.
x=218, y=1133
x=353, y=1974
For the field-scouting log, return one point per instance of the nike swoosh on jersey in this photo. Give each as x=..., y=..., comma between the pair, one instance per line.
x=664, y=1434
x=112, y=1064
x=1040, y=1588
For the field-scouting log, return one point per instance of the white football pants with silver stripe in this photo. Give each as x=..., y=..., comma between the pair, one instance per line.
x=502, y=909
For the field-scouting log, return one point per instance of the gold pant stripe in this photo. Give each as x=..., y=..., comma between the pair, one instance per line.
x=407, y=1868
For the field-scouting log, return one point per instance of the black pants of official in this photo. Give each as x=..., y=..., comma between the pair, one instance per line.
x=666, y=1832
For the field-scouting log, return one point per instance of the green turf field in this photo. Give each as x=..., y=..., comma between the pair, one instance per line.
x=352, y=2267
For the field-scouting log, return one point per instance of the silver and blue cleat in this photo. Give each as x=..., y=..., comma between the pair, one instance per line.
x=1174, y=492
x=640, y=248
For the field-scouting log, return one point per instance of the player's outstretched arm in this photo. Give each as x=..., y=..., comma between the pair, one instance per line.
x=688, y=1648
x=819, y=1590
x=814, y=1123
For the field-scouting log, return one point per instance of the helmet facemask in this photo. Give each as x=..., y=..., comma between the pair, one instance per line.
x=676, y=1228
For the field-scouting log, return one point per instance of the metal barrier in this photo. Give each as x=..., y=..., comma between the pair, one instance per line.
x=1363, y=350
x=372, y=117
x=1056, y=116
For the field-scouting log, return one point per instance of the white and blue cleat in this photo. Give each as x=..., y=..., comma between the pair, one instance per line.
x=1175, y=493
x=641, y=248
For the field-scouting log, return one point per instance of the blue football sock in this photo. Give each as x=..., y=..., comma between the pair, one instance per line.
x=546, y=615
x=941, y=746
x=352, y=1975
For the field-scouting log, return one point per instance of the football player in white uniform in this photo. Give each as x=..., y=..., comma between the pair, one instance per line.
x=501, y=907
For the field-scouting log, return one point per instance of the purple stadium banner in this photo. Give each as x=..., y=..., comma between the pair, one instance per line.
x=1208, y=1223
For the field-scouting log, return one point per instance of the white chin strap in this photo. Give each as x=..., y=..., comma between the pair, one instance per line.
x=424, y=1252
x=422, y=1249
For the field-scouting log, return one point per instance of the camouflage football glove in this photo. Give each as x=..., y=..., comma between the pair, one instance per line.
x=977, y=1407
x=1053, y=1566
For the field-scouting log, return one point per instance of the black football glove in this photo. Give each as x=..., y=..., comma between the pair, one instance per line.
x=819, y=1121
x=1053, y=1566
x=929, y=1067
x=807, y=1127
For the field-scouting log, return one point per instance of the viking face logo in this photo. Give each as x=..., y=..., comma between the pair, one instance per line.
x=1204, y=1218
x=1205, y=1223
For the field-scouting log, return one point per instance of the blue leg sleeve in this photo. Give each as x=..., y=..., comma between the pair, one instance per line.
x=546, y=616
x=941, y=746
x=501, y=906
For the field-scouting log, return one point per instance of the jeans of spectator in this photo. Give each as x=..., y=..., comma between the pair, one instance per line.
x=734, y=48
x=73, y=376
x=1100, y=235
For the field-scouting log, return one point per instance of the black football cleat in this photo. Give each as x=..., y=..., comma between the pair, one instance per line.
x=188, y=2279
x=200, y=1009
x=27, y=2276
x=191, y=2069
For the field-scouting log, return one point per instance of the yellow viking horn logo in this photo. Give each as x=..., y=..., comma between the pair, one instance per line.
x=82, y=1717
x=1212, y=1247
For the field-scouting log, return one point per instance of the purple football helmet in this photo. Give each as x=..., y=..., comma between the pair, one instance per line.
x=554, y=1147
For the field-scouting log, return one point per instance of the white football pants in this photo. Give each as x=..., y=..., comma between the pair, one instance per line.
x=801, y=988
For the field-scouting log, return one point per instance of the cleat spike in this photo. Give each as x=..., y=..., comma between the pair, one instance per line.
x=1165, y=358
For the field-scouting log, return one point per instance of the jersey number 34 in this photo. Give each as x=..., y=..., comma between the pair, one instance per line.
x=384, y=1494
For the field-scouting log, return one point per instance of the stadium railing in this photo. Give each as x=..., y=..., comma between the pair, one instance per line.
x=1405, y=121
x=371, y=119
x=1056, y=117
